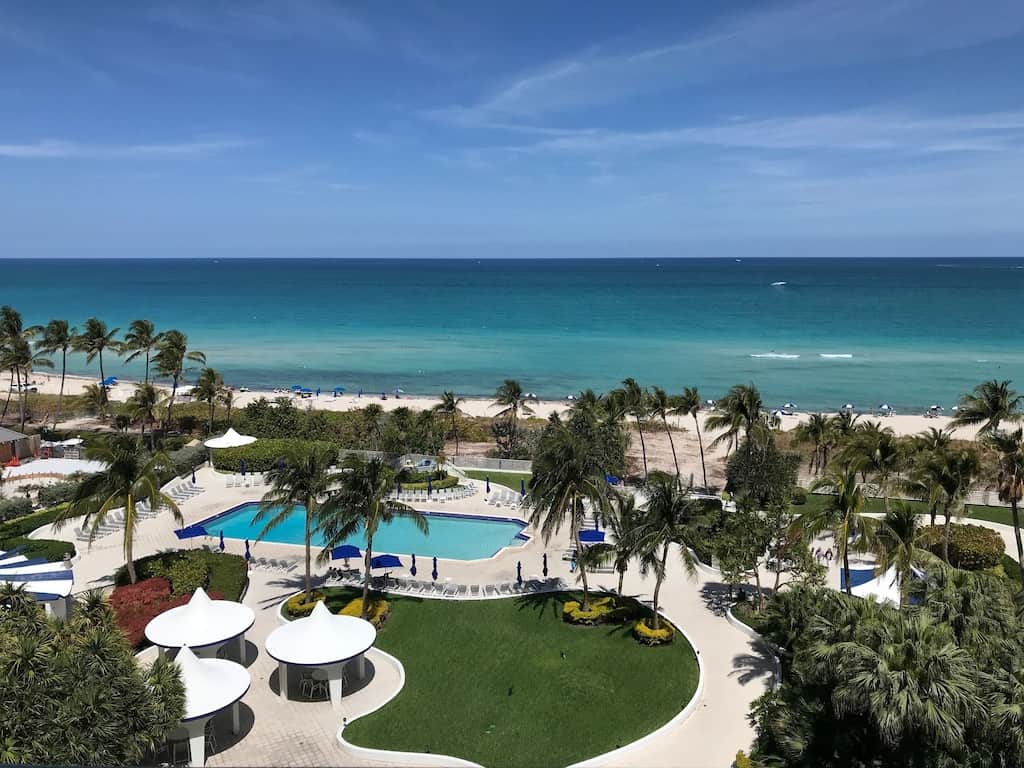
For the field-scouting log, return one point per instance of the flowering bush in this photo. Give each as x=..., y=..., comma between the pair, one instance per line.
x=599, y=612
x=302, y=604
x=135, y=605
x=380, y=609
x=663, y=634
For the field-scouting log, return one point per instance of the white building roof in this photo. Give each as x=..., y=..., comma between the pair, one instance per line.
x=63, y=467
x=210, y=684
x=229, y=439
x=321, y=638
x=883, y=589
x=200, y=622
x=36, y=578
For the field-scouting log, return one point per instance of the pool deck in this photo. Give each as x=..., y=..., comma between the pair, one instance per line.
x=296, y=733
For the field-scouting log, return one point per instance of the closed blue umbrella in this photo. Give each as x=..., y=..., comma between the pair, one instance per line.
x=430, y=487
x=241, y=467
x=248, y=554
x=433, y=573
x=318, y=391
x=522, y=487
x=544, y=570
x=193, y=475
x=412, y=569
x=488, y=481
x=519, y=572
x=399, y=486
x=222, y=541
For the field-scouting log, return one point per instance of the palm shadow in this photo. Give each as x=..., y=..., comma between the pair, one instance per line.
x=716, y=597
x=758, y=664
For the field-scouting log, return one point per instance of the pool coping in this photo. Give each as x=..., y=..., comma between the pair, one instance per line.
x=524, y=537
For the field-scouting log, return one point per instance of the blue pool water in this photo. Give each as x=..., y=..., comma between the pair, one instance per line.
x=452, y=537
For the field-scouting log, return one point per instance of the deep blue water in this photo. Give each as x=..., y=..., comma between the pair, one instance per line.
x=919, y=331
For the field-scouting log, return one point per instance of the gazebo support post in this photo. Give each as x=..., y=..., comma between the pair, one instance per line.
x=236, y=718
x=361, y=666
x=196, y=741
x=335, y=674
x=161, y=652
x=241, y=649
x=282, y=678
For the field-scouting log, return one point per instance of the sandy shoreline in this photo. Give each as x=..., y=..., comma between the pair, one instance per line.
x=49, y=383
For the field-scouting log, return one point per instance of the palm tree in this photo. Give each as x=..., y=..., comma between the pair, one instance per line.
x=94, y=400
x=23, y=359
x=991, y=403
x=896, y=543
x=303, y=479
x=819, y=433
x=664, y=521
x=661, y=405
x=881, y=454
x=566, y=476
x=142, y=406
x=945, y=478
x=842, y=514
x=689, y=404
x=932, y=439
x=844, y=425
x=59, y=337
x=172, y=353
x=513, y=401
x=130, y=475
x=622, y=518
x=449, y=406
x=227, y=399
x=1009, y=479
x=372, y=415
x=740, y=410
x=94, y=338
x=208, y=389
x=11, y=328
x=140, y=339
x=636, y=403
x=362, y=503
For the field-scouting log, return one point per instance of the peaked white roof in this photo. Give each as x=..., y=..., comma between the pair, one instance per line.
x=883, y=589
x=229, y=439
x=200, y=622
x=210, y=684
x=321, y=638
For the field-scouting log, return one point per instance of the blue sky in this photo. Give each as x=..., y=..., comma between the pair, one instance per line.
x=316, y=127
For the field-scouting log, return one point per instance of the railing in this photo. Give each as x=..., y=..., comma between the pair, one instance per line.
x=483, y=462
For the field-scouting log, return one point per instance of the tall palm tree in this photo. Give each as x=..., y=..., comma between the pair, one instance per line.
x=622, y=518
x=21, y=356
x=664, y=521
x=130, y=475
x=305, y=479
x=740, y=410
x=227, y=399
x=881, y=453
x=512, y=400
x=372, y=415
x=818, y=432
x=661, y=405
x=1009, y=477
x=11, y=326
x=172, y=356
x=689, y=404
x=636, y=402
x=896, y=543
x=566, y=476
x=94, y=401
x=945, y=478
x=93, y=340
x=842, y=514
x=991, y=403
x=449, y=406
x=140, y=339
x=58, y=336
x=363, y=503
x=142, y=406
x=932, y=439
x=209, y=389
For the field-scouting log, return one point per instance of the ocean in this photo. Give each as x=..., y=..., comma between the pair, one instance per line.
x=817, y=332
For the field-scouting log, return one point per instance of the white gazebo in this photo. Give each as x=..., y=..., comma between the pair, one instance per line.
x=321, y=640
x=229, y=439
x=211, y=685
x=202, y=624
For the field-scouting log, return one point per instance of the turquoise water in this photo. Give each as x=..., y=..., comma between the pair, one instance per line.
x=452, y=538
x=910, y=331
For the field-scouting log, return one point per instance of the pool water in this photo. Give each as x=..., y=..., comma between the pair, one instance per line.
x=452, y=537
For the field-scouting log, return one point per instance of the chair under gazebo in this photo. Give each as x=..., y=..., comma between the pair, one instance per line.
x=202, y=624
x=323, y=641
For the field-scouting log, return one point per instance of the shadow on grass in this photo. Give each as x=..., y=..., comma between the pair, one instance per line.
x=541, y=602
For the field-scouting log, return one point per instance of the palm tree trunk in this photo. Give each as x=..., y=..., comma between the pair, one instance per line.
x=210, y=430
x=643, y=447
x=60, y=397
x=310, y=502
x=671, y=443
x=656, y=618
x=9, y=391
x=129, y=511
x=103, y=378
x=583, y=572
x=700, y=443
x=22, y=391
x=757, y=583
x=366, y=575
x=622, y=575
x=847, y=585
x=945, y=536
x=145, y=379
x=170, y=401
x=1016, y=532
x=455, y=429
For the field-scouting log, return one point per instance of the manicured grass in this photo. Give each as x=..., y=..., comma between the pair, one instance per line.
x=816, y=501
x=506, y=682
x=508, y=479
x=14, y=533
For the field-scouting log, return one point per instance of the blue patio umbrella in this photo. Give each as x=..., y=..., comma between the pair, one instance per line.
x=248, y=554
x=412, y=569
x=519, y=572
x=433, y=573
x=385, y=561
x=318, y=391
x=339, y=390
x=488, y=481
x=241, y=466
x=591, y=537
x=544, y=570
x=522, y=487
x=295, y=387
x=222, y=541
x=344, y=552
x=430, y=486
x=191, y=532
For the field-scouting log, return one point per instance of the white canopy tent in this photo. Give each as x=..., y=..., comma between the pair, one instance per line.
x=52, y=468
x=325, y=640
x=202, y=624
x=229, y=439
x=49, y=583
x=211, y=685
x=883, y=589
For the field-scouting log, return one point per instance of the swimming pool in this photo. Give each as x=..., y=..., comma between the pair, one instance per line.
x=452, y=537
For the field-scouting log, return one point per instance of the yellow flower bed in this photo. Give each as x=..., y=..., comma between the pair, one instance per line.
x=379, y=610
x=300, y=605
x=600, y=611
x=663, y=634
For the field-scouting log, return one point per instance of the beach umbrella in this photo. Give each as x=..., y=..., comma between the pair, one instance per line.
x=412, y=568
x=591, y=537
x=790, y=405
x=488, y=481
x=710, y=403
x=399, y=391
x=399, y=486
x=248, y=554
x=430, y=486
x=433, y=573
x=544, y=569
x=318, y=391
x=339, y=390
x=191, y=532
x=344, y=552
x=295, y=387
x=936, y=408
x=848, y=407
x=522, y=486
x=385, y=561
x=222, y=541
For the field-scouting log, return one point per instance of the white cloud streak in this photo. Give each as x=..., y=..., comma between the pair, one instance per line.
x=55, y=149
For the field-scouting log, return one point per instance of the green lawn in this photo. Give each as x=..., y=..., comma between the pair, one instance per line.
x=507, y=683
x=508, y=479
x=816, y=501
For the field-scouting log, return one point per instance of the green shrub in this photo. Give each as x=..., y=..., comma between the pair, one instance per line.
x=437, y=485
x=409, y=475
x=259, y=456
x=302, y=604
x=187, y=459
x=799, y=496
x=380, y=609
x=58, y=493
x=971, y=547
x=20, y=526
x=227, y=573
x=665, y=633
x=52, y=549
x=186, y=573
x=16, y=506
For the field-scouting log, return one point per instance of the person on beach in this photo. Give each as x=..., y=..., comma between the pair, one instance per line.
x=828, y=555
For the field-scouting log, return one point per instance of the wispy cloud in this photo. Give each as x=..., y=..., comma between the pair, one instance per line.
x=51, y=50
x=53, y=148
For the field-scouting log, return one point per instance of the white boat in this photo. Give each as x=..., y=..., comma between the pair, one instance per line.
x=779, y=282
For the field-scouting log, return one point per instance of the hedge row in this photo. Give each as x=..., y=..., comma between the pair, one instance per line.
x=17, y=506
x=259, y=456
x=226, y=573
x=971, y=547
x=437, y=485
x=14, y=533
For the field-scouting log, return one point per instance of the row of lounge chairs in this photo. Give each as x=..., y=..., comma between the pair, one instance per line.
x=448, y=589
x=439, y=495
x=272, y=564
x=114, y=520
x=505, y=498
x=251, y=480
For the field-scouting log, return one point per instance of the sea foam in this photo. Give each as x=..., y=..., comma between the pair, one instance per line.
x=829, y=356
x=777, y=356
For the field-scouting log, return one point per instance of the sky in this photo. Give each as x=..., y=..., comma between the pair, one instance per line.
x=312, y=127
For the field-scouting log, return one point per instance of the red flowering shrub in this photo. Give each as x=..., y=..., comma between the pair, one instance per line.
x=136, y=604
